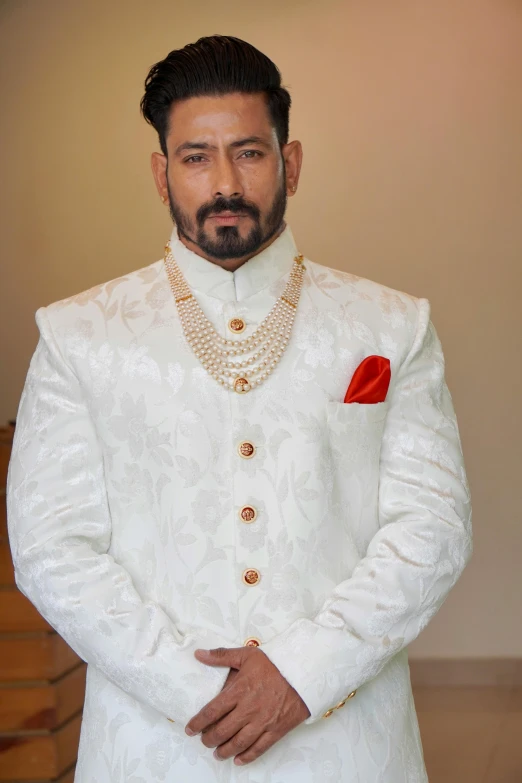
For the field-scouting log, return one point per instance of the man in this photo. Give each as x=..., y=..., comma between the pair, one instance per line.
x=237, y=486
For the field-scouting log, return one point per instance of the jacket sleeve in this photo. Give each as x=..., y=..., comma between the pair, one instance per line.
x=420, y=550
x=59, y=526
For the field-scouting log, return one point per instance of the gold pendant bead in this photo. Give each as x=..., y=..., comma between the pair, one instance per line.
x=241, y=385
x=261, y=352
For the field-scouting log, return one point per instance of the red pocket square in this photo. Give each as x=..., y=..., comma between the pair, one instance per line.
x=370, y=381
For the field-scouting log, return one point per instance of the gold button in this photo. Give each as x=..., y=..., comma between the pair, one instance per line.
x=237, y=325
x=328, y=713
x=351, y=695
x=251, y=642
x=247, y=514
x=251, y=576
x=341, y=704
x=246, y=449
x=170, y=719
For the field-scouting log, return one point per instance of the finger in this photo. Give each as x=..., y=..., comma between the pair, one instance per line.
x=260, y=746
x=216, y=709
x=222, y=656
x=232, y=674
x=224, y=730
x=239, y=743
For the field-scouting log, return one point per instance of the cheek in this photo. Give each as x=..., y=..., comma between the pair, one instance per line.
x=262, y=183
x=190, y=190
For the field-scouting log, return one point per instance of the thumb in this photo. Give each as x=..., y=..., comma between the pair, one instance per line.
x=222, y=656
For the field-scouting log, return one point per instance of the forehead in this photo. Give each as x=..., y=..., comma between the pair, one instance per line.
x=236, y=114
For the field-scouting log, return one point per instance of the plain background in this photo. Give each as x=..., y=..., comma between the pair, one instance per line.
x=410, y=113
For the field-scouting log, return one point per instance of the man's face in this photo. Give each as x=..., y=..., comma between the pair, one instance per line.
x=225, y=174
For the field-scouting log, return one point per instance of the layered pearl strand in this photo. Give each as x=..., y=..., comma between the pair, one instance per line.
x=261, y=352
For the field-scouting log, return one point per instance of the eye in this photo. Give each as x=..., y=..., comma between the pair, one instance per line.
x=253, y=153
x=193, y=158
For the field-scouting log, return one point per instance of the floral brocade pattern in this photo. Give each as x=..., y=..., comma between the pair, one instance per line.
x=125, y=491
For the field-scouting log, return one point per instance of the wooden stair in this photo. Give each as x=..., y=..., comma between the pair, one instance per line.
x=42, y=681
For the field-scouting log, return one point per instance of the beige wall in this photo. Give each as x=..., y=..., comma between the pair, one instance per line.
x=411, y=118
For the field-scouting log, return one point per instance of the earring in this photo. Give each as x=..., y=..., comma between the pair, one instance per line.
x=163, y=198
x=294, y=188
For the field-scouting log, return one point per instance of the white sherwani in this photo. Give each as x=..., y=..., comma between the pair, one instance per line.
x=124, y=489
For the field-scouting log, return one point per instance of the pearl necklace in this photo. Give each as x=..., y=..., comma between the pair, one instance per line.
x=261, y=352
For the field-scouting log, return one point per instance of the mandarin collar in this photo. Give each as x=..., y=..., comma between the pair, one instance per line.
x=254, y=275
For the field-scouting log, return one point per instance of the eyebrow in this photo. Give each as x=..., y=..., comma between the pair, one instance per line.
x=201, y=145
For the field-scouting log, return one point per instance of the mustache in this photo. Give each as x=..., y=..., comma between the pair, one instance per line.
x=222, y=204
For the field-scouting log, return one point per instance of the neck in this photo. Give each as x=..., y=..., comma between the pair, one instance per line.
x=230, y=264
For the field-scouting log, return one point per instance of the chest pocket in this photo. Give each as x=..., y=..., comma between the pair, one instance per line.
x=355, y=432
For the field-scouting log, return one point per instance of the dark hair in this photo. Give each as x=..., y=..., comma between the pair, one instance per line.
x=215, y=65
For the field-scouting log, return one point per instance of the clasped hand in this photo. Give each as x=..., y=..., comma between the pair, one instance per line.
x=255, y=708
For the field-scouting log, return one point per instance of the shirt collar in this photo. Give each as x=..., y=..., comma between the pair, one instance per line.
x=254, y=275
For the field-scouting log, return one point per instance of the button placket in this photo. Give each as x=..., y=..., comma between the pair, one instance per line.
x=245, y=448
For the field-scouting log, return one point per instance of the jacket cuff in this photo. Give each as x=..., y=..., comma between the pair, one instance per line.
x=198, y=683
x=309, y=658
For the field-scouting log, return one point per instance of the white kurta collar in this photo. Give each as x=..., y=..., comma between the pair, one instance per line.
x=256, y=274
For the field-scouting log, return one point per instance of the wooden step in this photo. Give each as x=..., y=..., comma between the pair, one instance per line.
x=67, y=777
x=39, y=755
x=38, y=656
x=6, y=565
x=6, y=440
x=3, y=516
x=31, y=707
x=17, y=613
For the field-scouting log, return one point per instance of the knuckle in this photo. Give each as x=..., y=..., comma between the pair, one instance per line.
x=206, y=739
x=209, y=715
x=218, y=736
x=237, y=744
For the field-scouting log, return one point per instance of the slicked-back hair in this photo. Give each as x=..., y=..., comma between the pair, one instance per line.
x=215, y=65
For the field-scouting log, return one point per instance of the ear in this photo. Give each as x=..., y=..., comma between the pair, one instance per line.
x=293, y=157
x=158, y=163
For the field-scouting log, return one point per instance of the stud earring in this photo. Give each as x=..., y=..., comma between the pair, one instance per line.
x=294, y=188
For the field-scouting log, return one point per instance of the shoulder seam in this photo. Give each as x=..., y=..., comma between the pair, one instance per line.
x=42, y=316
x=421, y=326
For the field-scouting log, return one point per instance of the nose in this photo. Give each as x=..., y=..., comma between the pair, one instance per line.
x=227, y=183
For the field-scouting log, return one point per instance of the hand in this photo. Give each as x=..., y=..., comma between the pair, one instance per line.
x=230, y=678
x=256, y=707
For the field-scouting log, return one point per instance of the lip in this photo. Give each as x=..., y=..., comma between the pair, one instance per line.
x=227, y=220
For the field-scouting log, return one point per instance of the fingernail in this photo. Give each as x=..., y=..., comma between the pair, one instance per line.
x=215, y=754
x=190, y=732
x=238, y=762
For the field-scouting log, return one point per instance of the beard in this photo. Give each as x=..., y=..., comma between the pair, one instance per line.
x=228, y=242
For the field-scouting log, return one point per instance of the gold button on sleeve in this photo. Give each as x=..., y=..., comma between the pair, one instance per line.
x=351, y=695
x=328, y=713
x=170, y=720
x=252, y=641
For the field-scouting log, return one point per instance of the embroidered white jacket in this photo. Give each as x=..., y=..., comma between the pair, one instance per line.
x=124, y=489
